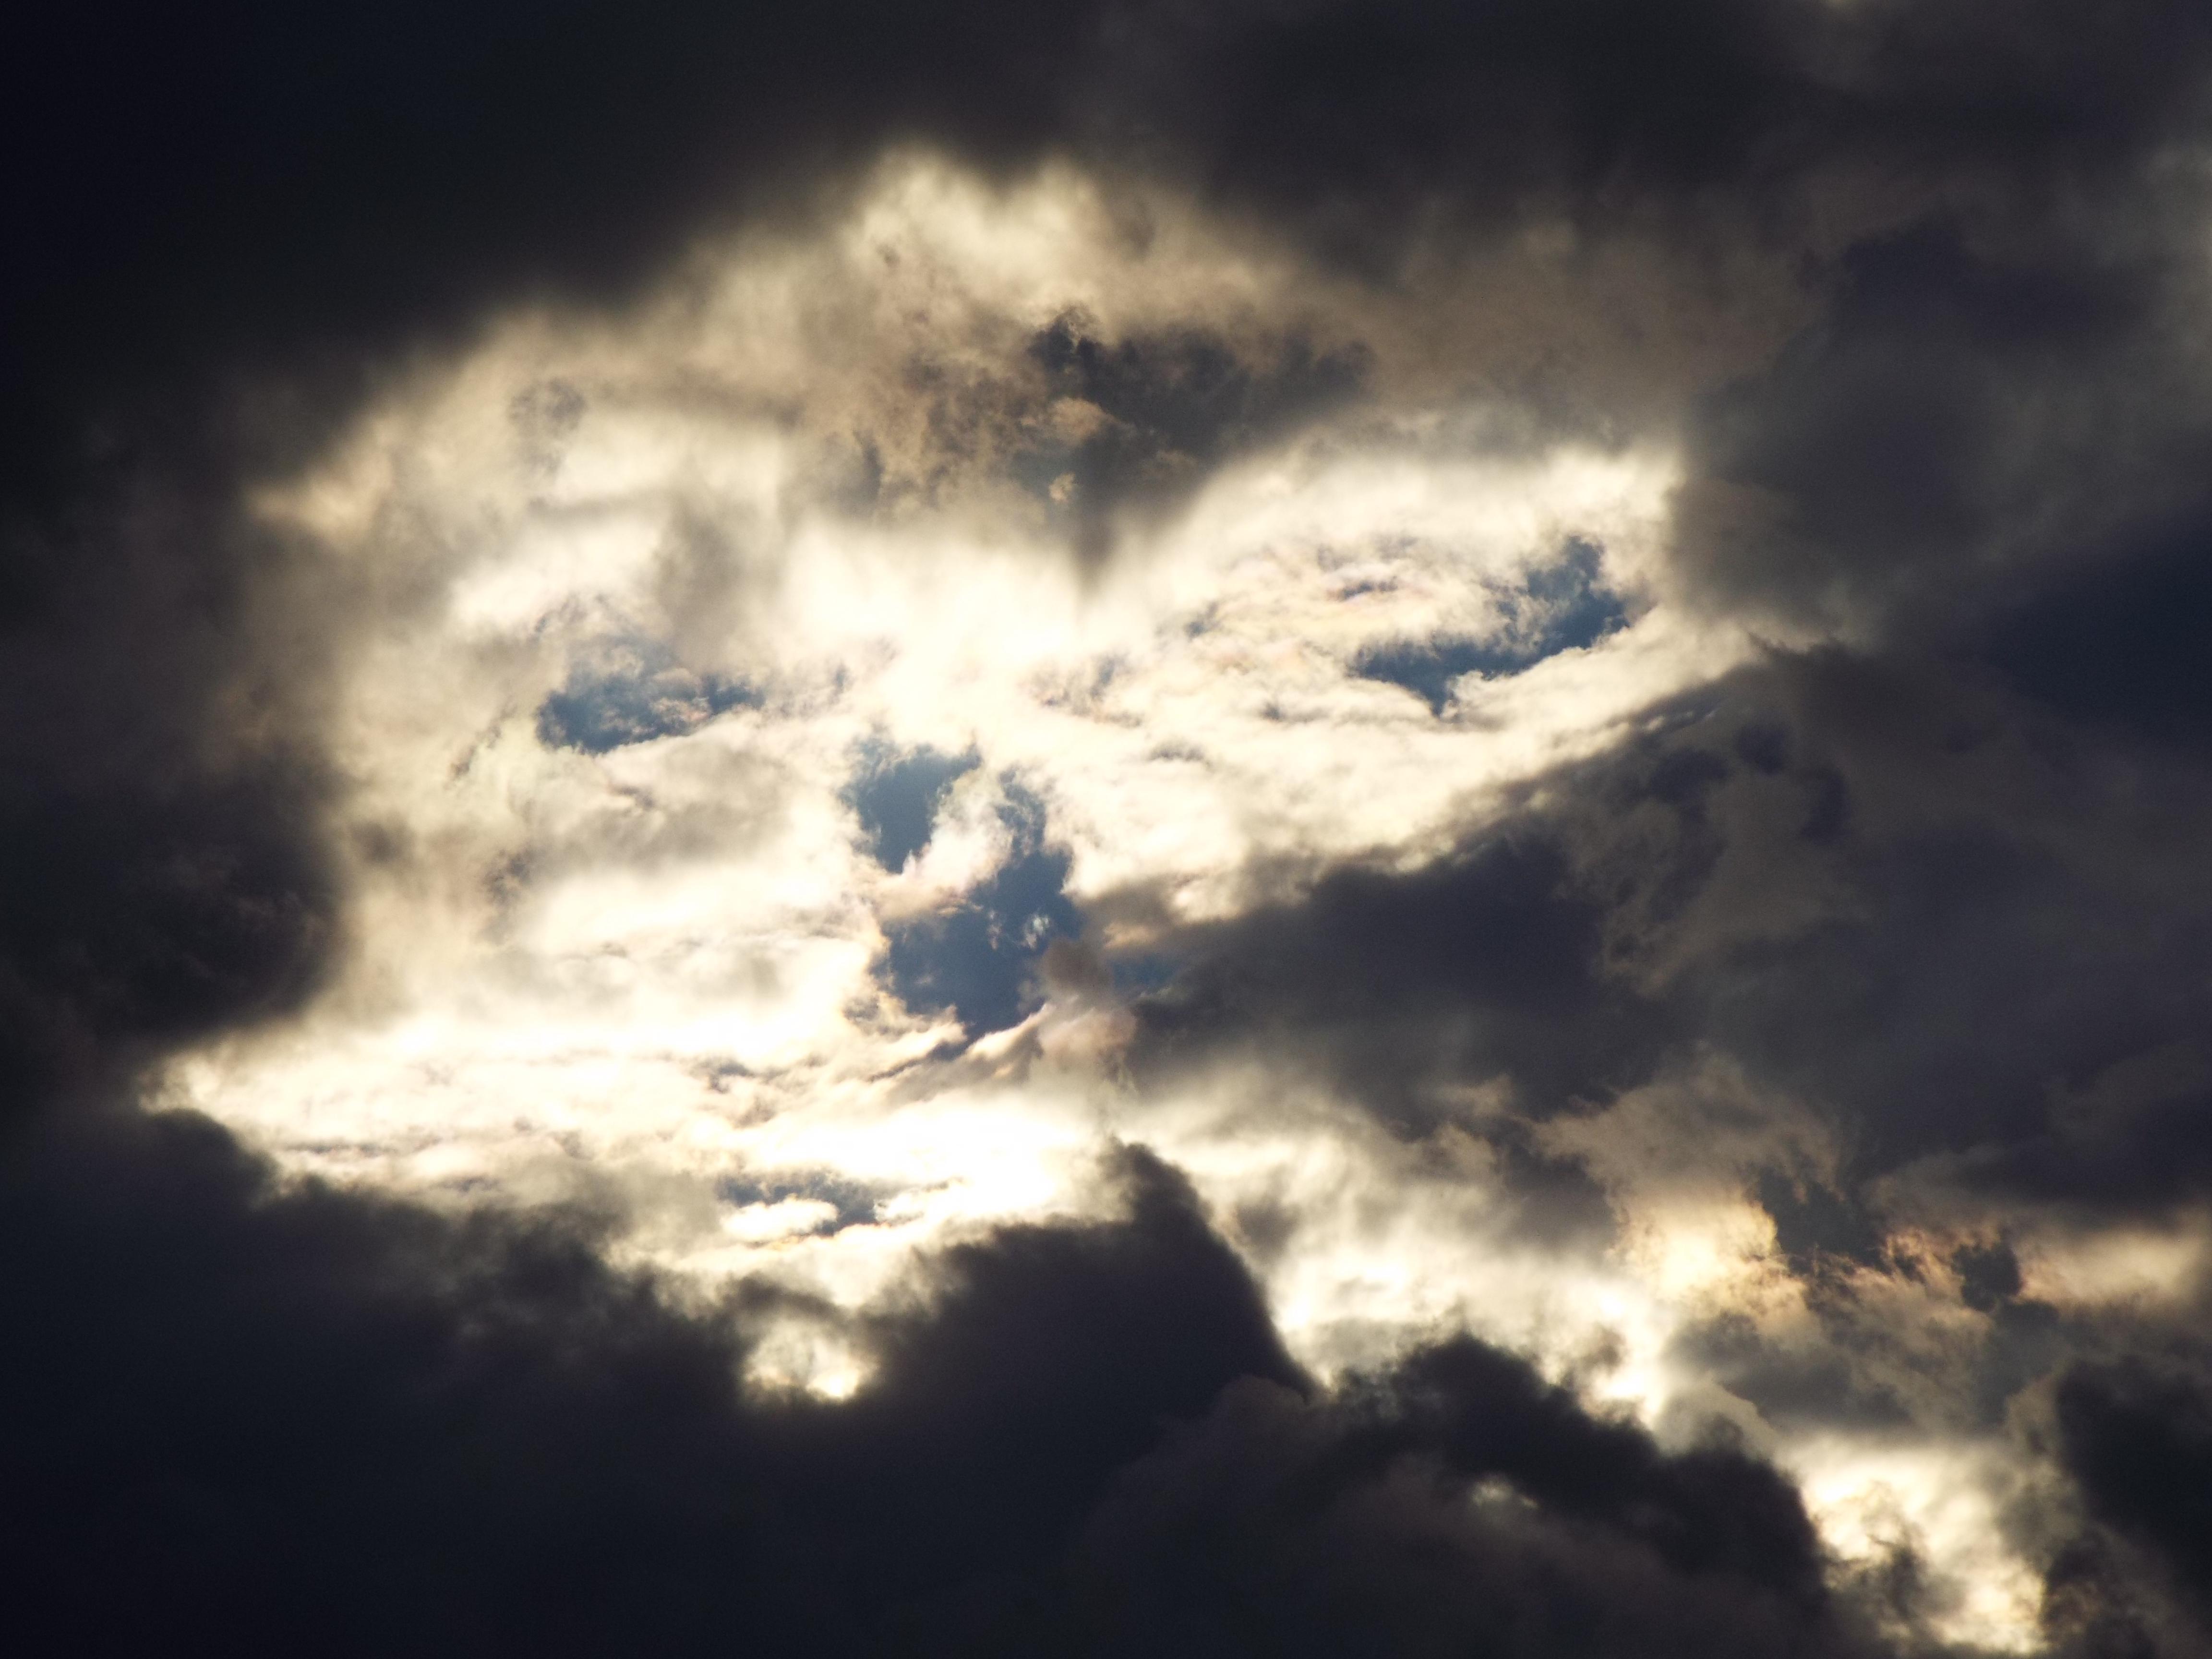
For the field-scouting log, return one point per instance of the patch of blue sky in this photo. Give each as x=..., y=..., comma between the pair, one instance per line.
x=896, y=794
x=1139, y=975
x=1562, y=605
x=980, y=960
x=633, y=691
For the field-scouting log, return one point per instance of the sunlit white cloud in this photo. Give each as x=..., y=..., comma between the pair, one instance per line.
x=620, y=941
x=647, y=603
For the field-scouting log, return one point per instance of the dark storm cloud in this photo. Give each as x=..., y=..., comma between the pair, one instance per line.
x=150, y=912
x=2121, y=641
x=259, y=1416
x=1454, y=1503
x=1895, y=890
x=1359, y=124
x=1970, y=930
x=2131, y=1418
x=2135, y=1433
x=1949, y=434
x=160, y=872
x=2012, y=917
x=1486, y=963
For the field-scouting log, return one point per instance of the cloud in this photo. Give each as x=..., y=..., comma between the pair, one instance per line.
x=1939, y=438
x=1485, y=965
x=1548, y=644
x=1042, y=1438
x=1148, y=417
x=1456, y=1500
x=2133, y=1435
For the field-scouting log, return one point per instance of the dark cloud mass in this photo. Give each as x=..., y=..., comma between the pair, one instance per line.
x=1930, y=874
x=1951, y=855
x=248, y=1420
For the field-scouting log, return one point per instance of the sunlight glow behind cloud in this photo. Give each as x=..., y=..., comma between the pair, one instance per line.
x=651, y=592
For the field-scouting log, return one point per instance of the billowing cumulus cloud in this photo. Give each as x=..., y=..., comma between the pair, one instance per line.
x=1240, y=829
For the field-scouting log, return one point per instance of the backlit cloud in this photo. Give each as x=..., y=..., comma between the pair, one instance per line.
x=1110, y=829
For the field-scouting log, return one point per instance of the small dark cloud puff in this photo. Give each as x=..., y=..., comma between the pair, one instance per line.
x=1169, y=410
x=1486, y=963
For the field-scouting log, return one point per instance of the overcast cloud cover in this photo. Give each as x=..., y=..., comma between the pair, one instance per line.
x=1039, y=830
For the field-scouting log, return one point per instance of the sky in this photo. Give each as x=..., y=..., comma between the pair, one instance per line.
x=1249, y=829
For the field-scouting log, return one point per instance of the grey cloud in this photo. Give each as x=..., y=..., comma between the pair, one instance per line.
x=1893, y=891
x=1944, y=436
x=1964, y=933
x=378, y=1428
x=1098, y=438
x=1947, y=893
x=1174, y=408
